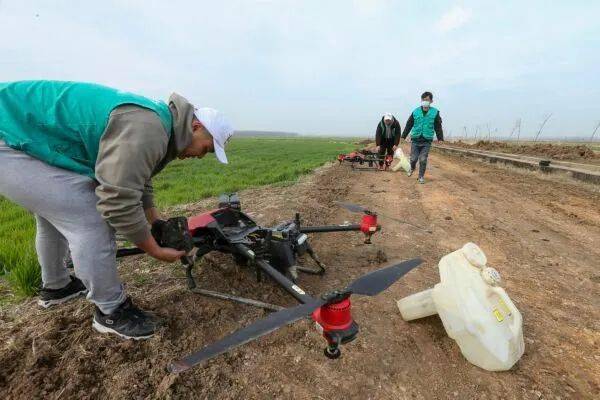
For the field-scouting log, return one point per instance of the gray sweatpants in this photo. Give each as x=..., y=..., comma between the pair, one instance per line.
x=64, y=205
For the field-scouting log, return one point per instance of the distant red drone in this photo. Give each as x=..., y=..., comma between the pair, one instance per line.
x=370, y=158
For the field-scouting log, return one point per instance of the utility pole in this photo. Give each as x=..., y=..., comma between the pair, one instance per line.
x=542, y=127
x=489, y=133
x=466, y=135
x=519, y=131
x=594, y=133
x=514, y=129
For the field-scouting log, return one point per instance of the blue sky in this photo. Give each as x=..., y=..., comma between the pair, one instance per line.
x=326, y=67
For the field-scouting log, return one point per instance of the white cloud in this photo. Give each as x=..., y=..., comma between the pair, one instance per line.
x=454, y=19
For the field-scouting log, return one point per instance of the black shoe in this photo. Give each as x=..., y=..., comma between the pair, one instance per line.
x=52, y=297
x=127, y=321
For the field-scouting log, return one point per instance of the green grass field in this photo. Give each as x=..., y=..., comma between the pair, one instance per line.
x=18, y=263
x=252, y=162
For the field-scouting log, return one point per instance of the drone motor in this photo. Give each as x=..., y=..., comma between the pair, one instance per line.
x=334, y=321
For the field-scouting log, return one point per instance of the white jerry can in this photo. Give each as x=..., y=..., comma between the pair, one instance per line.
x=402, y=161
x=475, y=310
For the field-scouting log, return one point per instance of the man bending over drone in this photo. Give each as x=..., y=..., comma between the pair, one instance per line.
x=387, y=136
x=80, y=157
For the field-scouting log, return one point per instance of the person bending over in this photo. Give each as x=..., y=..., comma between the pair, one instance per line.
x=80, y=157
x=387, y=136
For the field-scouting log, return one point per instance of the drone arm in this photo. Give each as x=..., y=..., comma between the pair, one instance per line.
x=284, y=282
x=368, y=228
x=278, y=277
x=330, y=228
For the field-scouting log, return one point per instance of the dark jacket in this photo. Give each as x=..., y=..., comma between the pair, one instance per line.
x=437, y=126
x=380, y=133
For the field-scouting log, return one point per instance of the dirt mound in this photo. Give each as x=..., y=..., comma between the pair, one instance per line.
x=548, y=150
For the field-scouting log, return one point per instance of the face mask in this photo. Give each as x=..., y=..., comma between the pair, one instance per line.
x=425, y=103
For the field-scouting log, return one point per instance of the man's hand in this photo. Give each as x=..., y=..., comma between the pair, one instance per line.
x=166, y=254
x=377, y=148
x=394, y=148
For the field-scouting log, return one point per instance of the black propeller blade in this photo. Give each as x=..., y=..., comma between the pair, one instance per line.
x=247, y=334
x=370, y=284
x=360, y=209
x=376, y=282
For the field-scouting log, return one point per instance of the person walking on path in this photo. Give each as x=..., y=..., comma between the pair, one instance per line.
x=423, y=123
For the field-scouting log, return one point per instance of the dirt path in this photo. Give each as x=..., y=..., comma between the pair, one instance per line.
x=543, y=237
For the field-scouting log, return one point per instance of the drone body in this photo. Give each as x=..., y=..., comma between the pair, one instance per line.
x=229, y=230
x=274, y=252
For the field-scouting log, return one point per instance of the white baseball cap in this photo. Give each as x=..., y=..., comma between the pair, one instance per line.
x=388, y=116
x=219, y=127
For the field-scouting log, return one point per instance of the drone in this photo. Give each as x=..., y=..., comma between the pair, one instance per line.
x=366, y=158
x=273, y=252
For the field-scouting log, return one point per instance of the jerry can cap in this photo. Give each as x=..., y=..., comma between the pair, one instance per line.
x=491, y=276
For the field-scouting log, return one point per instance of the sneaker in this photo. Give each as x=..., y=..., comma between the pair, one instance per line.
x=421, y=180
x=52, y=297
x=127, y=321
x=410, y=172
